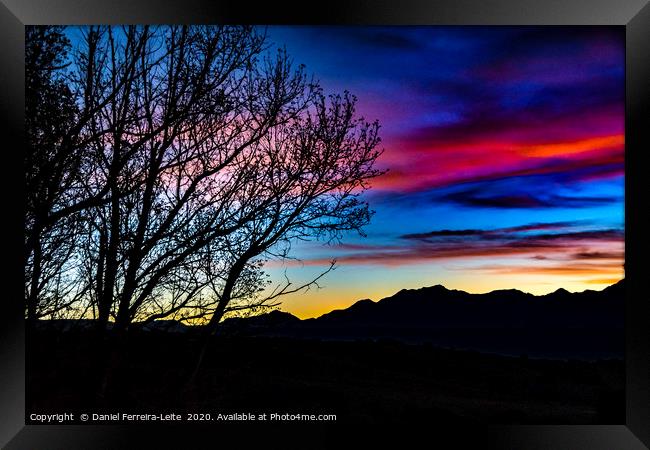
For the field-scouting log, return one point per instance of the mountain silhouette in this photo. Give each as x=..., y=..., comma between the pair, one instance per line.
x=272, y=321
x=586, y=324
x=561, y=323
x=441, y=308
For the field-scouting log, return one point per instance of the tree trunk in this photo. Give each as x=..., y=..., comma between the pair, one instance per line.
x=213, y=325
x=106, y=300
x=32, y=301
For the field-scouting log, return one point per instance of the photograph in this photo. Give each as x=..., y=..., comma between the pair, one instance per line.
x=357, y=224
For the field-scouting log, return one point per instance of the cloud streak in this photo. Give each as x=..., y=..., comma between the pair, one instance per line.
x=531, y=241
x=478, y=198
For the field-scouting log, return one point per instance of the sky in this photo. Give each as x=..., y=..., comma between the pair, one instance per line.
x=505, y=155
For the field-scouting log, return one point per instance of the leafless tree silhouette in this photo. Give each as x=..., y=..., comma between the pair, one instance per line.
x=51, y=176
x=179, y=161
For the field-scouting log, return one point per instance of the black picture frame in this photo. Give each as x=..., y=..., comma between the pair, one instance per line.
x=634, y=15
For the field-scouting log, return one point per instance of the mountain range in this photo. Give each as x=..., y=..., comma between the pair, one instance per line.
x=586, y=324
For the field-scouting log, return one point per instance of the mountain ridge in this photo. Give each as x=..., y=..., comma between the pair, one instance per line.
x=277, y=315
x=442, y=288
x=505, y=321
x=585, y=324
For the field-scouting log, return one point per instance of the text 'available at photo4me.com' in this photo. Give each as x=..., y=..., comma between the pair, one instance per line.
x=124, y=417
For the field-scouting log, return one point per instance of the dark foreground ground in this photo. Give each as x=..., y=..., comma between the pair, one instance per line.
x=360, y=381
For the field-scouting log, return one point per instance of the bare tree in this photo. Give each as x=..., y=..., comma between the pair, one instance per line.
x=193, y=155
x=309, y=175
x=51, y=172
x=200, y=99
x=63, y=179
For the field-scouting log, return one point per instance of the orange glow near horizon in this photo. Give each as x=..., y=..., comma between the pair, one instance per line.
x=316, y=303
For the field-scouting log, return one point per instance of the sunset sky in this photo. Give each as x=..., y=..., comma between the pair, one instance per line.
x=505, y=150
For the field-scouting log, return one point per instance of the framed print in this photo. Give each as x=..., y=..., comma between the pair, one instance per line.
x=255, y=222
